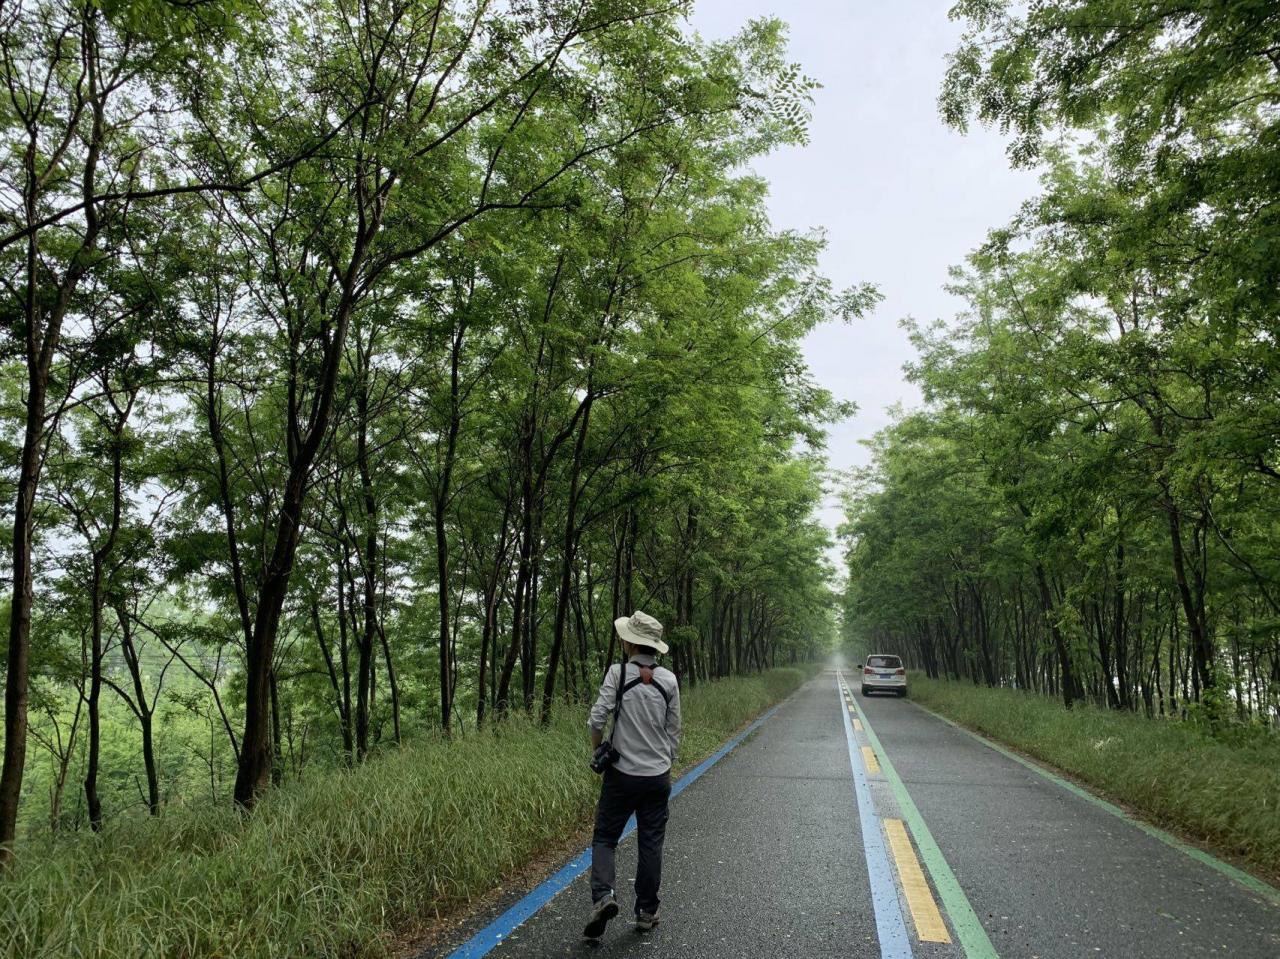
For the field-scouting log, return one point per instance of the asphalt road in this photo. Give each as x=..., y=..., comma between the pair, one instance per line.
x=799, y=842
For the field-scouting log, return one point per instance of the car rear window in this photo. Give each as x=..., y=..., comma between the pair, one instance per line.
x=884, y=662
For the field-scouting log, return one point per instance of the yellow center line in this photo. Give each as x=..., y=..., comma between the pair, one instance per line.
x=924, y=911
x=869, y=757
x=857, y=724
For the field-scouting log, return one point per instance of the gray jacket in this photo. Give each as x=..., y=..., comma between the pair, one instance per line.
x=649, y=727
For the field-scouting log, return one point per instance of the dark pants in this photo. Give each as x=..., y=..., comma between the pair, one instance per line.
x=620, y=796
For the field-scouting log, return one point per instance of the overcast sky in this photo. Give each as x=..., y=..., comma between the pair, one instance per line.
x=901, y=196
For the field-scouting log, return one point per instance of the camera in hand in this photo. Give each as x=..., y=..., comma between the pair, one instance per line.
x=604, y=757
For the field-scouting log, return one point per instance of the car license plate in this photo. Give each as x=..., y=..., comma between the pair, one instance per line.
x=886, y=675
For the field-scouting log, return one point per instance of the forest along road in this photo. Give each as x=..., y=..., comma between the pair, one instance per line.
x=849, y=826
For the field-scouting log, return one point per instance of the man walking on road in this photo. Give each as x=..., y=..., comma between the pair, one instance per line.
x=644, y=699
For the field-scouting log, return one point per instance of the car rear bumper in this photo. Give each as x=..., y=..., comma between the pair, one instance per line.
x=892, y=682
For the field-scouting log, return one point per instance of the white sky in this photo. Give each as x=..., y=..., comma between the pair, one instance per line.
x=901, y=196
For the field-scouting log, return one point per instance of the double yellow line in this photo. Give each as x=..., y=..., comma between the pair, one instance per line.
x=915, y=888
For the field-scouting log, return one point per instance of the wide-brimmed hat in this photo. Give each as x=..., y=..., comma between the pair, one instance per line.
x=641, y=629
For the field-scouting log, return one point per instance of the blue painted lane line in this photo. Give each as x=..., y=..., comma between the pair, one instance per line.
x=492, y=935
x=890, y=926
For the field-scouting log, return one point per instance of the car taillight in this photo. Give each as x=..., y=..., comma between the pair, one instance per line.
x=900, y=671
x=868, y=671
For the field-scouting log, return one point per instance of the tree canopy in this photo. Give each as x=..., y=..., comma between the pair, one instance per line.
x=366, y=360
x=1086, y=503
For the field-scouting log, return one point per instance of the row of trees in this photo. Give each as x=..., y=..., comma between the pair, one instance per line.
x=368, y=358
x=1087, y=504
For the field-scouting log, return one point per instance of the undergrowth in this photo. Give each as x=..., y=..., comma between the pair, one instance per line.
x=1221, y=790
x=338, y=863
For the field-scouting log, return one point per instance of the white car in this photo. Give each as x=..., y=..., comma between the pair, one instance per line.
x=884, y=673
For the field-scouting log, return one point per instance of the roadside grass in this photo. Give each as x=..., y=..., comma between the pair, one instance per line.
x=1221, y=791
x=336, y=864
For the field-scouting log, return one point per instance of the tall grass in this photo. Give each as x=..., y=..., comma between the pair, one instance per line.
x=336, y=864
x=1222, y=790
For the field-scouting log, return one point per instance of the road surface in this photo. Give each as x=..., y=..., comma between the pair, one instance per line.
x=851, y=826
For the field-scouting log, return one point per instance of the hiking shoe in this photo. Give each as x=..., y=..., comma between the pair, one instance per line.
x=603, y=911
x=645, y=921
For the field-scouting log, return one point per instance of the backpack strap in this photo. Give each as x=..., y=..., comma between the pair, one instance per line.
x=666, y=696
x=622, y=688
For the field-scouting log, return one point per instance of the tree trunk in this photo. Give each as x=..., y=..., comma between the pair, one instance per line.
x=1120, y=633
x=341, y=702
x=93, y=700
x=144, y=710
x=43, y=331
x=529, y=649
x=369, y=561
x=616, y=594
x=568, y=546
x=519, y=610
x=1059, y=641
x=344, y=655
x=101, y=554
x=277, y=767
x=1201, y=648
x=15, y=697
x=393, y=686
x=492, y=591
x=254, y=769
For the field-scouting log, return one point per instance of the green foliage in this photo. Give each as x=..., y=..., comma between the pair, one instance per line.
x=1086, y=505
x=411, y=345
